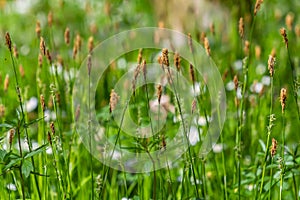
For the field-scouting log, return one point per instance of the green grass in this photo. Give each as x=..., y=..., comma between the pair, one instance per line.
x=47, y=159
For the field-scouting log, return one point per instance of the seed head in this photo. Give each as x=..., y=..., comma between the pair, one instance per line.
x=50, y=19
x=192, y=73
x=284, y=36
x=206, y=46
x=283, y=96
x=159, y=92
x=271, y=64
x=8, y=41
x=165, y=57
x=42, y=100
x=52, y=128
x=11, y=136
x=273, y=147
x=113, y=101
x=67, y=36
x=38, y=29
x=6, y=83
x=247, y=47
x=90, y=44
x=75, y=50
x=177, y=61
x=42, y=46
x=241, y=28
x=257, y=6
x=289, y=20
x=236, y=82
x=16, y=53
x=257, y=52
x=2, y=110
x=78, y=41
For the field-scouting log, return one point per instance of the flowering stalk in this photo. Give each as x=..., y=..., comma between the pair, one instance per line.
x=283, y=96
x=23, y=120
x=271, y=65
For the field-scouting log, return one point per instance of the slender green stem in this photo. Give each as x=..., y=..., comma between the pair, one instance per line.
x=295, y=187
x=294, y=75
x=271, y=181
x=23, y=120
x=184, y=130
x=90, y=136
x=282, y=164
x=271, y=118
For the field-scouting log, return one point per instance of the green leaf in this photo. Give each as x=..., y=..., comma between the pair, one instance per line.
x=33, y=122
x=2, y=154
x=12, y=163
x=27, y=167
x=262, y=144
x=6, y=126
x=36, y=151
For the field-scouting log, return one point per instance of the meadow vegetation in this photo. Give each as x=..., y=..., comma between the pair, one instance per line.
x=44, y=44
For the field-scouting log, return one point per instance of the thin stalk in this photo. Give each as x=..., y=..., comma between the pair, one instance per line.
x=58, y=176
x=185, y=132
x=271, y=181
x=224, y=170
x=90, y=136
x=118, y=135
x=21, y=175
x=23, y=120
x=154, y=171
x=282, y=165
x=295, y=186
x=294, y=75
x=268, y=139
x=245, y=85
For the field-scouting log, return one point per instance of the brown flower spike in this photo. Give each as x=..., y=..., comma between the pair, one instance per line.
x=206, y=46
x=159, y=92
x=177, y=61
x=273, y=147
x=113, y=100
x=67, y=36
x=165, y=57
x=42, y=100
x=284, y=36
x=271, y=64
x=283, y=96
x=8, y=41
x=257, y=6
x=241, y=28
x=42, y=46
x=52, y=128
